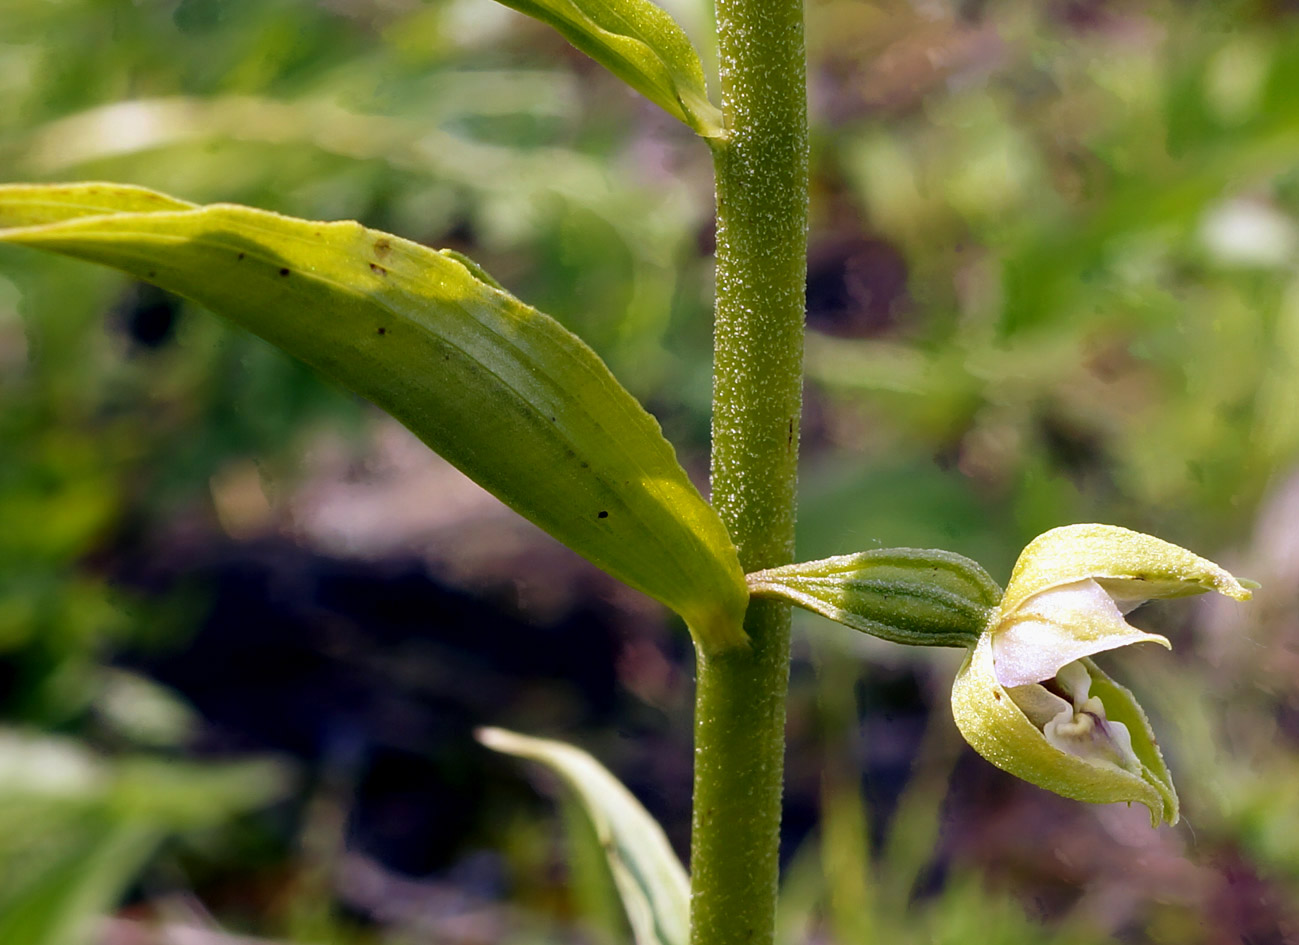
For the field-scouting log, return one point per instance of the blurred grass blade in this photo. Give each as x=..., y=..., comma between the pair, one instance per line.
x=654, y=887
x=59, y=904
x=917, y=596
x=641, y=44
x=76, y=829
x=505, y=393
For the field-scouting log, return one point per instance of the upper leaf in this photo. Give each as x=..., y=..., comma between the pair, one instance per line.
x=641, y=44
x=651, y=881
x=505, y=393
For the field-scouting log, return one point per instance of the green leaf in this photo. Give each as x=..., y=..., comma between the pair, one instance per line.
x=653, y=884
x=505, y=393
x=641, y=44
x=34, y=204
x=922, y=597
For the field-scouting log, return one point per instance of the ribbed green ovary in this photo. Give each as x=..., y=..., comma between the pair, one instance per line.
x=917, y=596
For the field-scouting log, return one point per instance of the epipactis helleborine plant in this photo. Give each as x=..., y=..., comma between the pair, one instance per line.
x=1030, y=699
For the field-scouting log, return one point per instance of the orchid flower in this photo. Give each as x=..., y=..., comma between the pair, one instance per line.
x=1030, y=699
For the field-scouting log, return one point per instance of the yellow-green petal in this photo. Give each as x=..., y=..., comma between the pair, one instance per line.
x=998, y=730
x=1122, y=706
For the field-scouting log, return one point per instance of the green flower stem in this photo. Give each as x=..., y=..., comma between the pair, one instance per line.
x=761, y=172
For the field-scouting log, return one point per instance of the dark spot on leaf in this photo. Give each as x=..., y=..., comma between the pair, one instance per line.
x=602, y=514
x=381, y=330
x=284, y=272
x=382, y=247
x=553, y=420
x=375, y=267
x=241, y=256
x=585, y=464
x=152, y=274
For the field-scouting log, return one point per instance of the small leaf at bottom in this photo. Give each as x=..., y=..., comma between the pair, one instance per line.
x=654, y=887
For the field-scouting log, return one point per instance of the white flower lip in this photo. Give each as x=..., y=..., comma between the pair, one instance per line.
x=1077, y=725
x=1060, y=626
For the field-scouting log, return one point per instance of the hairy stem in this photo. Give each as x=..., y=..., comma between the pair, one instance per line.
x=761, y=170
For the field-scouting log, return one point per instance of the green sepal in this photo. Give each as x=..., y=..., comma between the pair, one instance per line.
x=641, y=44
x=922, y=597
x=998, y=730
x=505, y=393
x=1130, y=565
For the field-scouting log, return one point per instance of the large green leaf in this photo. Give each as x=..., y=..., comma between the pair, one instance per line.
x=640, y=43
x=502, y=391
x=654, y=887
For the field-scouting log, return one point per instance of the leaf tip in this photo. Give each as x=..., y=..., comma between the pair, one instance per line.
x=497, y=739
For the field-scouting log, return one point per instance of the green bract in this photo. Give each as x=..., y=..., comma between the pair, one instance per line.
x=1029, y=698
x=502, y=391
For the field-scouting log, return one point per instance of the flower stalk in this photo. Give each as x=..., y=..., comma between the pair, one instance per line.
x=761, y=168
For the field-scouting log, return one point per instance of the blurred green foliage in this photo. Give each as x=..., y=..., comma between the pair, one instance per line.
x=77, y=828
x=1053, y=280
